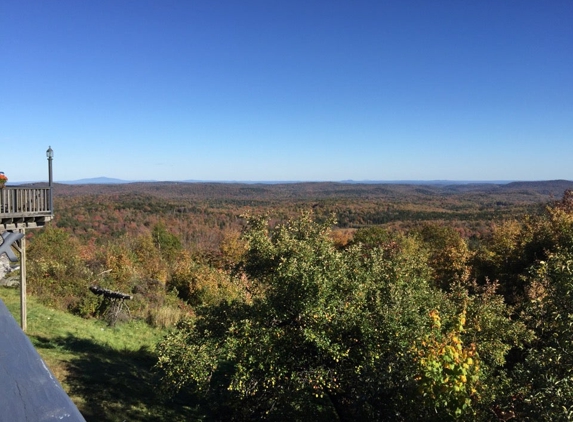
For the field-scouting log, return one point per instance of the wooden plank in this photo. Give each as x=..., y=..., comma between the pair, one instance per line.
x=17, y=223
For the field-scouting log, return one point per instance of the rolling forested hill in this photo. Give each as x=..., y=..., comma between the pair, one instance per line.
x=199, y=212
x=517, y=191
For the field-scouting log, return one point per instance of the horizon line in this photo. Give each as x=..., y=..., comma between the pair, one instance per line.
x=109, y=180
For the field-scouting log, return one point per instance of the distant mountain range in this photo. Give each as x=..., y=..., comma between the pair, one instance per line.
x=112, y=181
x=437, y=183
x=252, y=193
x=98, y=181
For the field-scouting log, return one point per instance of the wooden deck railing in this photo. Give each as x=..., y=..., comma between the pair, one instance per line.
x=25, y=205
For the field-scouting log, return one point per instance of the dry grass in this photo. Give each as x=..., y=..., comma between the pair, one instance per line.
x=164, y=316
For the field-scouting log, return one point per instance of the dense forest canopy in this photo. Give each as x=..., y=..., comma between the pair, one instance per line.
x=326, y=301
x=191, y=208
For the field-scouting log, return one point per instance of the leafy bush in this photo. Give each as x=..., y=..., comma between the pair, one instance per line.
x=199, y=283
x=543, y=382
x=328, y=333
x=57, y=274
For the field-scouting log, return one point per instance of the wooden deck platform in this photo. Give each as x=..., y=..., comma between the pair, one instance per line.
x=25, y=207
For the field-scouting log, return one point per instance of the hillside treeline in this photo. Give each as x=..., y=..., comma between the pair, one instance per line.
x=199, y=213
x=284, y=314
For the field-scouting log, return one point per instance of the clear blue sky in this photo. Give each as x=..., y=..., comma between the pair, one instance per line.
x=287, y=90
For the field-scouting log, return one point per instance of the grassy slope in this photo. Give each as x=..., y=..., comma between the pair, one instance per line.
x=106, y=371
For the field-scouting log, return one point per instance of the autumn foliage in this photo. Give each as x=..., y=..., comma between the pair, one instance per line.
x=335, y=308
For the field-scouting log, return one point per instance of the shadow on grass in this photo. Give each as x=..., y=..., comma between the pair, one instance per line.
x=115, y=385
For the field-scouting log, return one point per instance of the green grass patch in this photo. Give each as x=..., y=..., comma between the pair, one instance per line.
x=107, y=371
